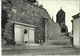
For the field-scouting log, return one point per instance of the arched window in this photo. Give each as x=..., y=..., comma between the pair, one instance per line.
x=25, y=31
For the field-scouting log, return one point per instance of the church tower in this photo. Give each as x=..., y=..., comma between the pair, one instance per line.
x=60, y=18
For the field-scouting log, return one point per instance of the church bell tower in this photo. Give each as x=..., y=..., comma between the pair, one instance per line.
x=60, y=18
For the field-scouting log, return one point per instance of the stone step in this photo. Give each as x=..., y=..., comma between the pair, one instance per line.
x=59, y=42
x=62, y=36
x=31, y=44
x=61, y=39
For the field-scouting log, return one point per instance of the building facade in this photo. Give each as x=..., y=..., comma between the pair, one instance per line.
x=76, y=30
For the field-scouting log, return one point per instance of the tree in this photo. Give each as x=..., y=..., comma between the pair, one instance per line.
x=6, y=7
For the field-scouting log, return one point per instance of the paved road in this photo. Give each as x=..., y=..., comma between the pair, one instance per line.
x=42, y=50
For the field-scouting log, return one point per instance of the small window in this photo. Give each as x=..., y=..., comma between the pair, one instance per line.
x=25, y=31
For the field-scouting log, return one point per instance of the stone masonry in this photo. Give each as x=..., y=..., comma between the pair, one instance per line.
x=28, y=13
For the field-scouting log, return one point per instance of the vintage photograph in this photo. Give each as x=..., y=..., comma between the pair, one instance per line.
x=40, y=27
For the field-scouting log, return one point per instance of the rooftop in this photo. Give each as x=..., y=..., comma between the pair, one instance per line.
x=76, y=16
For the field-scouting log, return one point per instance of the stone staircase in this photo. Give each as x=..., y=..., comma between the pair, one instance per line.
x=61, y=39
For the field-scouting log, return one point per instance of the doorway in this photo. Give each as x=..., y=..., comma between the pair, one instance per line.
x=25, y=36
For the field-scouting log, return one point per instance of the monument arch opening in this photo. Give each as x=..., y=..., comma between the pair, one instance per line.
x=25, y=36
x=63, y=30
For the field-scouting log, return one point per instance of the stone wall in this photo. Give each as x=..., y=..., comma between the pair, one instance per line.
x=76, y=31
x=52, y=29
x=26, y=12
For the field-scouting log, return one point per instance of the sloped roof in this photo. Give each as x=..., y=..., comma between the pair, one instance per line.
x=76, y=16
x=60, y=11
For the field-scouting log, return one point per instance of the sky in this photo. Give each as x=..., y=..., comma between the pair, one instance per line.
x=71, y=7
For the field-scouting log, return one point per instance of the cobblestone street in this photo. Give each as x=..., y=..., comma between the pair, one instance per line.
x=42, y=50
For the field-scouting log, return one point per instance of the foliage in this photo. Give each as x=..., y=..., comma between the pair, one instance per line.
x=6, y=7
x=3, y=42
x=41, y=6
